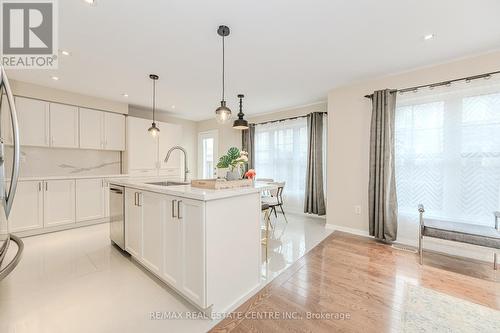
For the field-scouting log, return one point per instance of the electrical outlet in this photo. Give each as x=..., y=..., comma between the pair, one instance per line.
x=357, y=210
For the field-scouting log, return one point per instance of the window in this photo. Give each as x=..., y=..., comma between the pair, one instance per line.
x=281, y=154
x=448, y=151
x=207, y=148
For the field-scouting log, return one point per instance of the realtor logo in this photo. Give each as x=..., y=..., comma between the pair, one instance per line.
x=29, y=34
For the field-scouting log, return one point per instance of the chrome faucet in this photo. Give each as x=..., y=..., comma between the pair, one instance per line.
x=186, y=170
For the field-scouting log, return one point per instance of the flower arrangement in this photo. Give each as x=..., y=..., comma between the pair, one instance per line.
x=250, y=174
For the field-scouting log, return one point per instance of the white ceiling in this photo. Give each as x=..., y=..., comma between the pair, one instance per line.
x=280, y=53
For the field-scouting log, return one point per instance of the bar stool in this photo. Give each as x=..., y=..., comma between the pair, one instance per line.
x=267, y=220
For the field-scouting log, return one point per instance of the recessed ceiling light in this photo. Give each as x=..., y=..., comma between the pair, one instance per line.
x=66, y=53
x=91, y=2
x=429, y=36
x=173, y=106
x=125, y=95
x=55, y=78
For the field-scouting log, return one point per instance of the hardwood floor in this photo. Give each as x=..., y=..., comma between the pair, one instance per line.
x=362, y=279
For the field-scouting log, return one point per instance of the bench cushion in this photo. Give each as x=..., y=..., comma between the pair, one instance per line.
x=462, y=232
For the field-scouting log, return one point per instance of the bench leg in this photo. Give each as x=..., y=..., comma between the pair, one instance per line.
x=495, y=266
x=420, y=249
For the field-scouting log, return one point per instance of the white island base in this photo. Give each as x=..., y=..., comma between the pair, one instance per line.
x=207, y=249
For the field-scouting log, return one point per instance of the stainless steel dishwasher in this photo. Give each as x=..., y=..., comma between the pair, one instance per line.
x=117, y=216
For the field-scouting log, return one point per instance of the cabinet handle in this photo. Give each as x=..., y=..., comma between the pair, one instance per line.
x=135, y=199
x=179, y=209
x=39, y=186
x=173, y=208
x=46, y=186
x=139, y=199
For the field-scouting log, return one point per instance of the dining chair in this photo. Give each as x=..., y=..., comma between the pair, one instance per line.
x=276, y=199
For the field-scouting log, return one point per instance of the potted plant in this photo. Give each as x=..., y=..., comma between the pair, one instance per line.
x=233, y=160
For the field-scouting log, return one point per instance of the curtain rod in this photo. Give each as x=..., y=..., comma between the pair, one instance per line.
x=290, y=118
x=442, y=83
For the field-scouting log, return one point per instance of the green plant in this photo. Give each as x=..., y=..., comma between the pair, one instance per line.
x=232, y=159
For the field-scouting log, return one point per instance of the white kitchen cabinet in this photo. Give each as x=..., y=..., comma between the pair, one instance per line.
x=142, y=148
x=114, y=131
x=63, y=126
x=33, y=118
x=27, y=210
x=170, y=136
x=133, y=223
x=192, y=235
x=172, y=260
x=59, y=202
x=90, y=199
x=153, y=220
x=91, y=129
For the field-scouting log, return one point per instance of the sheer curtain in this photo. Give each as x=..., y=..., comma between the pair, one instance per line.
x=281, y=154
x=448, y=152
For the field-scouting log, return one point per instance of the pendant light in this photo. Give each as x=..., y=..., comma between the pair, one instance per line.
x=240, y=123
x=223, y=113
x=154, y=130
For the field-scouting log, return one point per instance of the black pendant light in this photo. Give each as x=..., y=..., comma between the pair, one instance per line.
x=240, y=123
x=154, y=130
x=223, y=113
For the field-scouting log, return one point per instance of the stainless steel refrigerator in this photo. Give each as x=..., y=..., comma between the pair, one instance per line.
x=10, y=254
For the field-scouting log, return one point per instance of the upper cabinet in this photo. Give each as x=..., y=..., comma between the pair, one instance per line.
x=101, y=130
x=91, y=129
x=114, y=131
x=33, y=118
x=63, y=126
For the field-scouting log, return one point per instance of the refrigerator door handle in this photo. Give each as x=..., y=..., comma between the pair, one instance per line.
x=9, y=197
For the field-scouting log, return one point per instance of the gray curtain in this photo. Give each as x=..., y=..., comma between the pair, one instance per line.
x=314, y=202
x=382, y=199
x=248, y=144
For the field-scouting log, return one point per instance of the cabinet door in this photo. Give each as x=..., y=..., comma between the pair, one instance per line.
x=191, y=215
x=133, y=224
x=33, y=118
x=89, y=199
x=63, y=125
x=27, y=210
x=114, y=131
x=153, y=208
x=172, y=259
x=170, y=136
x=142, y=148
x=59, y=202
x=6, y=129
x=91, y=129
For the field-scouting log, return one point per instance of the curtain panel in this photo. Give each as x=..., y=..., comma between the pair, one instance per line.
x=314, y=202
x=248, y=144
x=382, y=199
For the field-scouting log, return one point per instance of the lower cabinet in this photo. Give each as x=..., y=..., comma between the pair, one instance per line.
x=51, y=203
x=59, y=202
x=90, y=199
x=27, y=210
x=166, y=234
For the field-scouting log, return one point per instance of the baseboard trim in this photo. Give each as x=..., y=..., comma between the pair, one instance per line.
x=353, y=231
x=40, y=231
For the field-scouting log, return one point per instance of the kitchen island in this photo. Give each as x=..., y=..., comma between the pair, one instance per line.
x=203, y=243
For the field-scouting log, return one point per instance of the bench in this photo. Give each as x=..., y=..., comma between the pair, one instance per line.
x=486, y=236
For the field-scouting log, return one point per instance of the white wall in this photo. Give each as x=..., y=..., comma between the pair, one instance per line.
x=189, y=133
x=349, y=133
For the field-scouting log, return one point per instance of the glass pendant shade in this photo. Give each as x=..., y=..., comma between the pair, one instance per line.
x=223, y=113
x=153, y=130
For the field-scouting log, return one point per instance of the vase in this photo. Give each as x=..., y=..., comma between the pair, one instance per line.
x=233, y=175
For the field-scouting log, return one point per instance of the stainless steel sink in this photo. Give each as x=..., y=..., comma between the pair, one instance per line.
x=168, y=183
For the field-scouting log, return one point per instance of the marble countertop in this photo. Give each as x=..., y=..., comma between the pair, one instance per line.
x=39, y=178
x=187, y=191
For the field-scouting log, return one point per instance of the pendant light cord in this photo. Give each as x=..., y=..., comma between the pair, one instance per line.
x=223, y=69
x=154, y=99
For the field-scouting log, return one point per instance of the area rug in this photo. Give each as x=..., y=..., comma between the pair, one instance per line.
x=425, y=310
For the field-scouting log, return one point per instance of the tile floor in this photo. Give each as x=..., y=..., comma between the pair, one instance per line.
x=76, y=281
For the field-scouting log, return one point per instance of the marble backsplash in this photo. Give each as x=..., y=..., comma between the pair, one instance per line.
x=36, y=162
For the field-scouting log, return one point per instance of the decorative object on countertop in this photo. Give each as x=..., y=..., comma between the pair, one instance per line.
x=154, y=130
x=221, y=184
x=223, y=113
x=250, y=174
x=240, y=123
x=233, y=160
